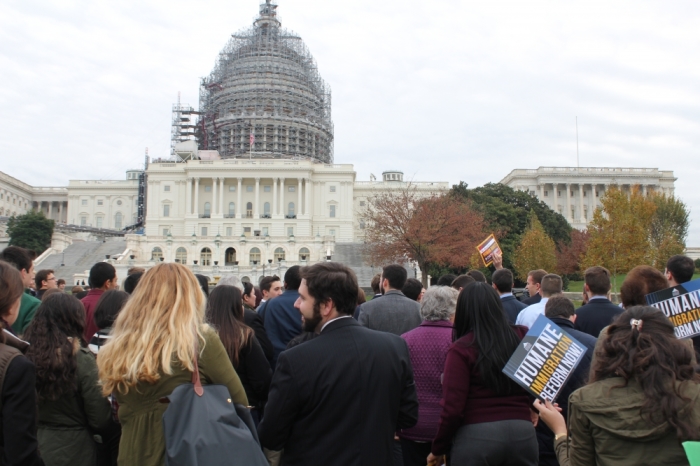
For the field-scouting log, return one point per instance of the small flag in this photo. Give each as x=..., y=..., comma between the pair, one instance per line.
x=252, y=140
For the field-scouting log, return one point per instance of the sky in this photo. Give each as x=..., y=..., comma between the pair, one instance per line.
x=443, y=90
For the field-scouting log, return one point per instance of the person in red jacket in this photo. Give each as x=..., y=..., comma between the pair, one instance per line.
x=103, y=277
x=486, y=417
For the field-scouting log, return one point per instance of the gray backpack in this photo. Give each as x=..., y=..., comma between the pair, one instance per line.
x=203, y=427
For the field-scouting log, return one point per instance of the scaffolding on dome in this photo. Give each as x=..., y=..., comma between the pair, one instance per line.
x=183, y=126
x=265, y=97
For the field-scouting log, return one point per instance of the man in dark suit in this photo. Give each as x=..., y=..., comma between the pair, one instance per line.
x=599, y=312
x=534, y=281
x=339, y=398
x=502, y=282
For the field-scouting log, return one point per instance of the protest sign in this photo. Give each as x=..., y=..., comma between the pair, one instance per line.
x=681, y=304
x=545, y=359
x=486, y=249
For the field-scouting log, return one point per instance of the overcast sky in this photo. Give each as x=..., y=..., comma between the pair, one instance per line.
x=444, y=90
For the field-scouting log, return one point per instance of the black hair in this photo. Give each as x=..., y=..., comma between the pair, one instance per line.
x=503, y=279
x=292, y=278
x=412, y=289
x=131, y=281
x=461, y=282
x=203, y=283
x=108, y=307
x=18, y=257
x=396, y=274
x=334, y=281
x=681, y=267
x=101, y=273
x=480, y=312
x=477, y=276
x=225, y=314
x=446, y=280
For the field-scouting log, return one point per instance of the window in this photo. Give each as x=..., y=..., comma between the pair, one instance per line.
x=166, y=188
x=166, y=210
x=82, y=202
x=573, y=213
x=266, y=209
x=362, y=224
x=585, y=193
x=304, y=254
x=546, y=193
x=265, y=231
x=249, y=189
x=98, y=222
x=292, y=189
x=246, y=231
x=156, y=254
x=181, y=255
x=207, y=188
x=255, y=256
x=119, y=202
x=100, y=202
x=332, y=189
x=232, y=189
x=290, y=210
x=166, y=231
x=205, y=256
x=585, y=214
x=596, y=193
x=267, y=189
x=331, y=232
x=249, y=210
x=83, y=221
x=558, y=193
x=232, y=209
x=279, y=254
x=332, y=211
x=230, y=256
x=205, y=231
x=118, y=221
x=229, y=231
x=572, y=193
x=207, y=209
x=290, y=231
x=362, y=203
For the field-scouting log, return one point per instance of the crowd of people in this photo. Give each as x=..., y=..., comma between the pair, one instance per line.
x=325, y=376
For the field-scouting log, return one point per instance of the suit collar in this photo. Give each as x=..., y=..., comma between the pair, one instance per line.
x=393, y=292
x=339, y=323
x=510, y=297
x=560, y=321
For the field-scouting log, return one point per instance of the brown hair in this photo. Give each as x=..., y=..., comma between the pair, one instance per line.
x=537, y=275
x=559, y=306
x=375, y=283
x=551, y=285
x=361, y=298
x=76, y=289
x=641, y=281
x=49, y=292
x=40, y=276
x=11, y=287
x=649, y=352
x=598, y=280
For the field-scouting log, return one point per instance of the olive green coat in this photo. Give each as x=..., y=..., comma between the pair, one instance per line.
x=141, y=414
x=606, y=428
x=65, y=424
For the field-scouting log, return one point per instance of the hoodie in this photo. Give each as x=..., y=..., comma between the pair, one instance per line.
x=606, y=427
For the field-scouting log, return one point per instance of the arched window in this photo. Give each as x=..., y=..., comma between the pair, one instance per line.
x=266, y=209
x=304, y=254
x=205, y=256
x=207, y=209
x=254, y=256
x=157, y=254
x=279, y=254
x=181, y=255
x=249, y=210
x=118, y=221
x=232, y=209
x=230, y=256
x=290, y=210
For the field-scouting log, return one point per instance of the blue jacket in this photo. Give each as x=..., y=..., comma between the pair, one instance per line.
x=512, y=307
x=282, y=321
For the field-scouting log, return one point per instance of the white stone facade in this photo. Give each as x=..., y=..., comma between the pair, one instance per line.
x=575, y=192
x=17, y=198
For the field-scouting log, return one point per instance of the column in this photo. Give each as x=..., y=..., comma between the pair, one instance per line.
x=60, y=211
x=214, y=187
x=50, y=209
x=317, y=201
x=568, y=203
x=298, y=209
x=580, y=203
x=274, y=193
x=196, y=197
x=644, y=190
x=188, y=196
x=239, y=205
x=307, y=202
x=541, y=186
x=283, y=210
x=256, y=210
x=221, y=196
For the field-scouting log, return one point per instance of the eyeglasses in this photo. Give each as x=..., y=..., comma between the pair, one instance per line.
x=52, y=278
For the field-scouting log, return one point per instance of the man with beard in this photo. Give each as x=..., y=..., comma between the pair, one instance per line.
x=339, y=398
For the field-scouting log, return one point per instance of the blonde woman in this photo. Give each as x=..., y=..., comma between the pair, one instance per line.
x=154, y=342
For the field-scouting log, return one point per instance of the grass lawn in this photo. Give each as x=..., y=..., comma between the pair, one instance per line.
x=578, y=286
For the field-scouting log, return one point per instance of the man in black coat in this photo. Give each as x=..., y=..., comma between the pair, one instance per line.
x=599, y=312
x=502, y=282
x=339, y=398
x=534, y=281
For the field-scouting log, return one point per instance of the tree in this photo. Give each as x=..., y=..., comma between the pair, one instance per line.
x=507, y=214
x=668, y=229
x=535, y=251
x=619, y=231
x=569, y=256
x=31, y=231
x=438, y=230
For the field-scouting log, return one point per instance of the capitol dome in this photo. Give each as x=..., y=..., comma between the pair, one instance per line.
x=266, y=89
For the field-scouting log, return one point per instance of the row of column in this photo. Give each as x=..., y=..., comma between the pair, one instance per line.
x=47, y=207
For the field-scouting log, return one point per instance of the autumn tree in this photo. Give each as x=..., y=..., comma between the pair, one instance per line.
x=569, y=256
x=404, y=225
x=668, y=229
x=31, y=231
x=535, y=251
x=619, y=231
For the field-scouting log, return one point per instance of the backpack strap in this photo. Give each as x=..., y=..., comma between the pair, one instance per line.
x=198, y=389
x=7, y=354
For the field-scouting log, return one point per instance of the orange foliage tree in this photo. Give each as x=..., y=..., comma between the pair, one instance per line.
x=404, y=225
x=569, y=256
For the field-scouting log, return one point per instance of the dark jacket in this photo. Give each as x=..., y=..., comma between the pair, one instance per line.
x=394, y=313
x=18, y=443
x=532, y=300
x=512, y=307
x=596, y=315
x=66, y=425
x=253, y=320
x=254, y=372
x=282, y=321
x=338, y=399
x=579, y=378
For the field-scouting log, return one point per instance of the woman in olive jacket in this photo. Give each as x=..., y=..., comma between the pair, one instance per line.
x=72, y=409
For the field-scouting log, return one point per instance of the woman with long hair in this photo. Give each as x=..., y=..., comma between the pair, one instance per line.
x=641, y=402
x=249, y=297
x=155, y=340
x=225, y=314
x=71, y=405
x=486, y=417
x=18, y=443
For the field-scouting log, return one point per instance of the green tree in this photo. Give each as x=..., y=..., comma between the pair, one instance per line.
x=507, y=212
x=668, y=229
x=536, y=250
x=31, y=231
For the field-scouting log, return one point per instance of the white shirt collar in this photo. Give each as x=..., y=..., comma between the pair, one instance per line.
x=333, y=320
x=505, y=295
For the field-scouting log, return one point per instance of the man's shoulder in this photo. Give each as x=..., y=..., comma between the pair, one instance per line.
x=582, y=337
x=598, y=305
x=29, y=300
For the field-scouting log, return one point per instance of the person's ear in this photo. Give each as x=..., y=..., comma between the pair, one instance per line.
x=573, y=318
x=327, y=307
